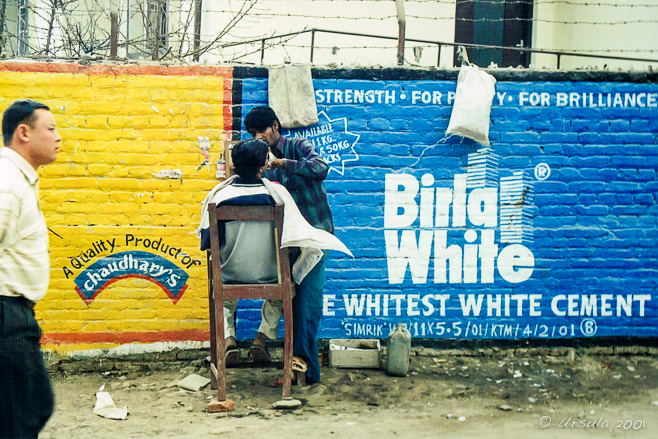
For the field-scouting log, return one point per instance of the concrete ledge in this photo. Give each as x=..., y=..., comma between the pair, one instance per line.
x=197, y=359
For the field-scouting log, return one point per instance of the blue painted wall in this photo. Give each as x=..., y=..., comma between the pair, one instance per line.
x=550, y=233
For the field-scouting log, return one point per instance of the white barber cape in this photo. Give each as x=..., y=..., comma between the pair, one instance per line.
x=297, y=232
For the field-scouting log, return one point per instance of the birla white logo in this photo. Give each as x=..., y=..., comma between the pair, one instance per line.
x=460, y=224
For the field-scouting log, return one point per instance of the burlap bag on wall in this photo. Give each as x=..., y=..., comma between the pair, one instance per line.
x=292, y=96
x=472, y=107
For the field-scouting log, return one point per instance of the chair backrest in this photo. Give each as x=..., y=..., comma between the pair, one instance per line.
x=249, y=213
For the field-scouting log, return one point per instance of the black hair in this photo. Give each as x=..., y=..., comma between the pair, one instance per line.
x=260, y=118
x=21, y=111
x=248, y=157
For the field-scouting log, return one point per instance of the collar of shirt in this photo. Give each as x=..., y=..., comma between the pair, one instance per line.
x=22, y=164
x=278, y=150
x=255, y=180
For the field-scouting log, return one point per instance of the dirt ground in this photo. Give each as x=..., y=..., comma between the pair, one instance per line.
x=510, y=393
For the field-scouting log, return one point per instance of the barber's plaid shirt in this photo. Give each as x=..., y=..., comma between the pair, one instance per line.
x=305, y=170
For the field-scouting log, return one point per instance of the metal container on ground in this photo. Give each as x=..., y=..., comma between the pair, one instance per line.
x=399, y=348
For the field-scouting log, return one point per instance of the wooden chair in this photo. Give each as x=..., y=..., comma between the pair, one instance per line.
x=219, y=291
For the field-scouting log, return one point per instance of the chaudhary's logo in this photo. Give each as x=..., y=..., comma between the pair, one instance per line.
x=153, y=264
x=135, y=264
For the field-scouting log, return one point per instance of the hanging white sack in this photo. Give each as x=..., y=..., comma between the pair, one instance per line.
x=292, y=96
x=472, y=106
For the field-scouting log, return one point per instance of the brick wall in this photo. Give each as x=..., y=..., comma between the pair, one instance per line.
x=549, y=234
x=104, y=200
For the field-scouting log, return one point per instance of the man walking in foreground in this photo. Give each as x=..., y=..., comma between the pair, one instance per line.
x=26, y=396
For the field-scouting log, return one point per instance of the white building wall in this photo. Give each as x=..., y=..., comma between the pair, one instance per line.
x=610, y=27
x=376, y=17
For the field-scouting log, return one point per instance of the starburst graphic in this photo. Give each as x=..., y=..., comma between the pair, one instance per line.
x=332, y=140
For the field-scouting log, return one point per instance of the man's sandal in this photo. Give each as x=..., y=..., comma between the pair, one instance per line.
x=298, y=364
x=232, y=356
x=231, y=351
x=259, y=353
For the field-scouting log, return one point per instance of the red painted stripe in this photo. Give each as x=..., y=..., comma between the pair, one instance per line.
x=125, y=337
x=228, y=104
x=115, y=70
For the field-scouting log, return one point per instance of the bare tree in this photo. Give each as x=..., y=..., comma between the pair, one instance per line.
x=85, y=36
x=241, y=13
x=3, y=11
x=155, y=29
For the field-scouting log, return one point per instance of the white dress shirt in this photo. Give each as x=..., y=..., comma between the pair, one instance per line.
x=24, y=259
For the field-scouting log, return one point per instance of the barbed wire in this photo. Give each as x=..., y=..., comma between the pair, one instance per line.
x=470, y=20
x=433, y=46
x=540, y=20
x=444, y=18
x=172, y=9
x=563, y=2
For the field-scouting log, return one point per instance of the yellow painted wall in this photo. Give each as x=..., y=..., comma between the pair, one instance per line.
x=120, y=126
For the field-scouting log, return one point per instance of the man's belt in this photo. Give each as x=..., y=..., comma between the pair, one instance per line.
x=18, y=300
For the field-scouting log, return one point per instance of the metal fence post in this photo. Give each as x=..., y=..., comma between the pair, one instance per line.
x=262, y=51
x=312, y=43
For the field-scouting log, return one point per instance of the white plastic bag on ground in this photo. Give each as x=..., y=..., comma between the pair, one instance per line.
x=106, y=408
x=472, y=106
x=292, y=96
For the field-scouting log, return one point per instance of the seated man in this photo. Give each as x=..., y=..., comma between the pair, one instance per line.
x=246, y=255
x=245, y=258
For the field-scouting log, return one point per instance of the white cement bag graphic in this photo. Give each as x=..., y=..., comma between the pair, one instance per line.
x=472, y=107
x=292, y=96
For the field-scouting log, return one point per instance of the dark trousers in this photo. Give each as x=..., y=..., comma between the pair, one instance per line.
x=306, y=315
x=26, y=395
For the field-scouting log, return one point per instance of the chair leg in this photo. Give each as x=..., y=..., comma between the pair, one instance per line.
x=287, y=346
x=213, y=356
x=221, y=403
x=218, y=351
x=213, y=333
x=221, y=349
